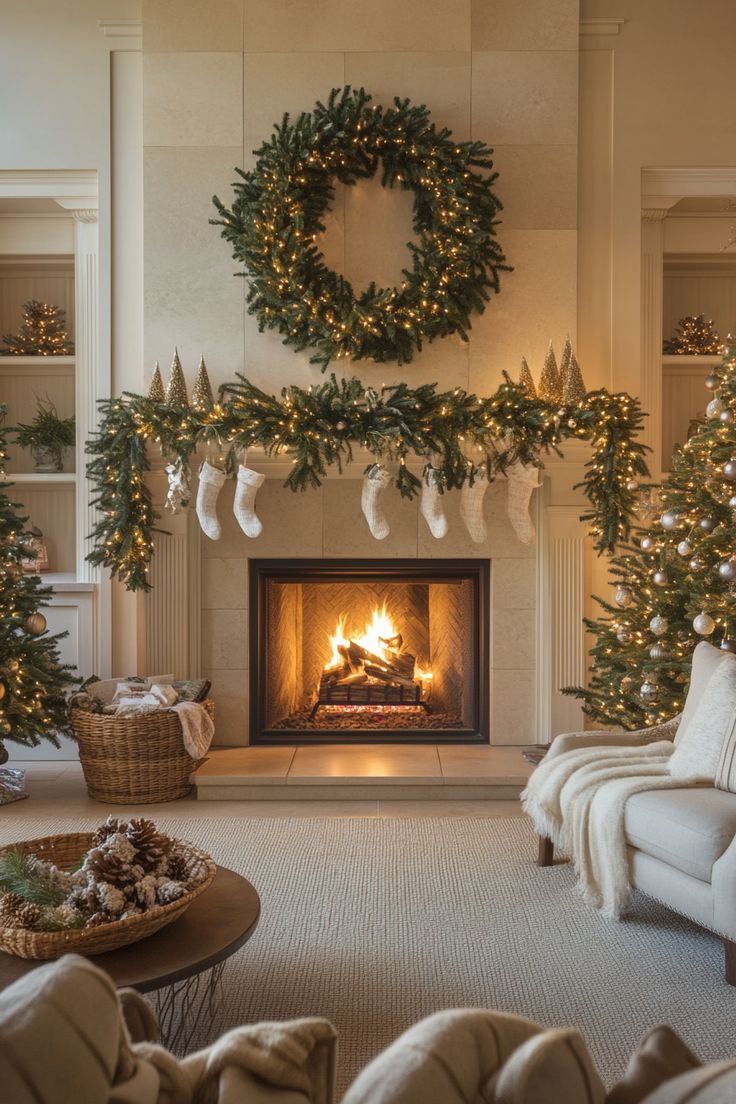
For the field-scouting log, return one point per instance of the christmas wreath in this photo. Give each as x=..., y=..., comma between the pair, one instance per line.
x=278, y=212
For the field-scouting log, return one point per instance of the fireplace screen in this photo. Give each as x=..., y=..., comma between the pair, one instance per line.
x=374, y=650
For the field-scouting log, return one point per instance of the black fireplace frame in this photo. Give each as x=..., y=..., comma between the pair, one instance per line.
x=296, y=570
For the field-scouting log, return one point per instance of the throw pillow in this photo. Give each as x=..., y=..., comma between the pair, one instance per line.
x=660, y=1056
x=706, y=660
x=698, y=752
x=195, y=690
x=548, y=1069
x=711, y=1084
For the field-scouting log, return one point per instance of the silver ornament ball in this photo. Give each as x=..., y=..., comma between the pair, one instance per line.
x=712, y=382
x=684, y=548
x=708, y=524
x=714, y=408
x=726, y=416
x=657, y=651
x=624, y=596
x=727, y=570
x=647, y=544
x=669, y=520
x=704, y=624
x=649, y=691
x=659, y=624
x=729, y=469
x=660, y=578
x=623, y=635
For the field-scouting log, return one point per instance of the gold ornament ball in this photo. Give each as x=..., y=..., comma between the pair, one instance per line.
x=36, y=624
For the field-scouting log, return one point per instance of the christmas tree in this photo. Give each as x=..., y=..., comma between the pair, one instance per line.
x=676, y=584
x=694, y=336
x=32, y=678
x=43, y=332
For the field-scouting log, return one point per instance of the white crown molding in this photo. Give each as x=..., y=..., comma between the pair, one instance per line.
x=601, y=26
x=73, y=187
x=658, y=186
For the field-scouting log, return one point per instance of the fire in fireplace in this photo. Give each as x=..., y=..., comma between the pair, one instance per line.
x=368, y=650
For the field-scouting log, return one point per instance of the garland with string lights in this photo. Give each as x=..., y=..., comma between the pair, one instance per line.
x=318, y=427
x=279, y=209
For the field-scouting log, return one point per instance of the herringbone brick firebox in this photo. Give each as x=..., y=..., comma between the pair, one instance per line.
x=369, y=650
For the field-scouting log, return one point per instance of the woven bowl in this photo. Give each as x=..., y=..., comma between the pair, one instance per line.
x=66, y=851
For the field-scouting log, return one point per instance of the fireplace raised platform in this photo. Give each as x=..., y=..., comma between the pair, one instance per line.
x=340, y=772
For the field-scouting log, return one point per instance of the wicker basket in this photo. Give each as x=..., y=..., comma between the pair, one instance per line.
x=136, y=758
x=65, y=852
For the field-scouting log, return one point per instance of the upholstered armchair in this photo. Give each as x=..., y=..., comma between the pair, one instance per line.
x=681, y=842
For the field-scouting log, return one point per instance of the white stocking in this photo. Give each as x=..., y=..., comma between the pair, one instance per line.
x=431, y=505
x=522, y=482
x=210, y=484
x=375, y=481
x=471, y=507
x=246, y=489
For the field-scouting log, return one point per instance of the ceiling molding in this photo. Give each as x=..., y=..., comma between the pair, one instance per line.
x=658, y=185
x=72, y=188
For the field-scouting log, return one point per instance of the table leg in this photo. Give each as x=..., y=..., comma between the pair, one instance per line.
x=189, y=1007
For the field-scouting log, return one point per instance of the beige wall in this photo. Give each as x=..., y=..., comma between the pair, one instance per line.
x=217, y=77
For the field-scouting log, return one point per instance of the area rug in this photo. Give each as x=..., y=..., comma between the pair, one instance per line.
x=376, y=922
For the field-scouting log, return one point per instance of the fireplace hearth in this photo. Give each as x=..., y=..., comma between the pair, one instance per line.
x=369, y=651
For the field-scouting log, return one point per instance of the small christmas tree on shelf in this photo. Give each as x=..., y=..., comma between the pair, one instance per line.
x=43, y=332
x=694, y=336
x=676, y=585
x=32, y=678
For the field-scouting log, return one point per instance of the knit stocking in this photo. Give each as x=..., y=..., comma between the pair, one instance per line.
x=522, y=482
x=246, y=489
x=375, y=481
x=431, y=505
x=471, y=507
x=210, y=484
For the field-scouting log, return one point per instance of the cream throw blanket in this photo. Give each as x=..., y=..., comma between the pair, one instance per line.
x=577, y=799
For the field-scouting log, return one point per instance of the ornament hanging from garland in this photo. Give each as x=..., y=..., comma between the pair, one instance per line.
x=279, y=210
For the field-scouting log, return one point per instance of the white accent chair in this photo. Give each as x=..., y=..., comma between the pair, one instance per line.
x=681, y=842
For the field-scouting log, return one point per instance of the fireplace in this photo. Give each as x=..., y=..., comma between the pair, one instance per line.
x=369, y=651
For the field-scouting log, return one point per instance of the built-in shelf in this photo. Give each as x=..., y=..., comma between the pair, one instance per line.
x=42, y=477
x=65, y=582
x=34, y=361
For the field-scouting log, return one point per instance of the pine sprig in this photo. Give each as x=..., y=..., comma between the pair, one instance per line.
x=318, y=427
x=21, y=874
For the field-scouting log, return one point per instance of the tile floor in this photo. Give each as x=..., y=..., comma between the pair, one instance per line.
x=57, y=789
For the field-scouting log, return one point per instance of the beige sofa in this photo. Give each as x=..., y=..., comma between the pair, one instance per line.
x=682, y=842
x=65, y=1035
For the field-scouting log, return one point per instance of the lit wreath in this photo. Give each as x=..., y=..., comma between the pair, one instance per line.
x=278, y=213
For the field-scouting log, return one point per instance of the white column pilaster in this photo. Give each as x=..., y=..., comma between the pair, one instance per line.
x=652, y=260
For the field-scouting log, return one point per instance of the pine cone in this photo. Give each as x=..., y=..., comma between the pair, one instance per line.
x=28, y=916
x=10, y=906
x=104, y=867
x=96, y=919
x=109, y=828
x=186, y=866
x=150, y=844
x=170, y=891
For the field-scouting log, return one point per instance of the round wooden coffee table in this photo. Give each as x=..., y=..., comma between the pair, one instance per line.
x=181, y=966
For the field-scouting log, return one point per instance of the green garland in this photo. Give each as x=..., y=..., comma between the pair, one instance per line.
x=318, y=427
x=278, y=214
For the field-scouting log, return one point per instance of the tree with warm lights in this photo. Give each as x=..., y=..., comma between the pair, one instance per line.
x=32, y=678
x=677, y=584
x=43, y=332
x=694, y=336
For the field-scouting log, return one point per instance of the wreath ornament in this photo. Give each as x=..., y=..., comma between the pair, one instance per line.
x=278, y=214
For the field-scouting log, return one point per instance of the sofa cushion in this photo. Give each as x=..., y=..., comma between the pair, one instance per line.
x=711, y=1084
x=706, y=659
x=698, y=752
x=660, y=1056
x=688, y=829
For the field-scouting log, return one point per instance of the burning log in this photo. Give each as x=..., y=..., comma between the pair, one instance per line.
x=391, y=677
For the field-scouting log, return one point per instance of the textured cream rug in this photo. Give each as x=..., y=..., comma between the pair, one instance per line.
x=375, y=923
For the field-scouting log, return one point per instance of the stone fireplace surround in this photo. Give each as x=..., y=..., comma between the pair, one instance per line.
x=196, y=616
